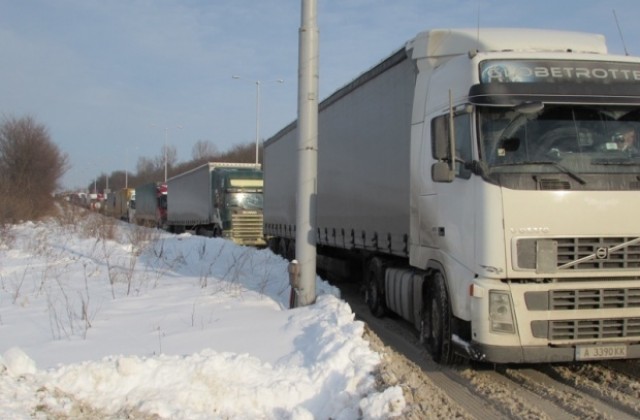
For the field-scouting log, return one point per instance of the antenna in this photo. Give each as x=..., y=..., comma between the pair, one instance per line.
x=478, y=29
x=624, y=45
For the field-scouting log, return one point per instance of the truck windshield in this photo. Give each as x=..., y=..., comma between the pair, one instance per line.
x=574, y=140
x=246, y=201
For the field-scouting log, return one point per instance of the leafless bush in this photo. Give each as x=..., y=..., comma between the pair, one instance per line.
x=17, y=287
x=70, y=215
x=102, y=227
x=140, y=238
x=31, y=166
x=6, y=236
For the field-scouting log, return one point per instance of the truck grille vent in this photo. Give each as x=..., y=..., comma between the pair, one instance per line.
x=594, y=253
x=586, y=329
x=595, y=299
x=247, y=228
x=567, y=300
x=554, y=184
x=572, y=249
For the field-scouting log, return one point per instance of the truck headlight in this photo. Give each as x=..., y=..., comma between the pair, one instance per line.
x=501, y=312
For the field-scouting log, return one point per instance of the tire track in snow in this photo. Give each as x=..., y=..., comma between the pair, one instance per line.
x=611, y=390
x=511, y=392
x=429, y=383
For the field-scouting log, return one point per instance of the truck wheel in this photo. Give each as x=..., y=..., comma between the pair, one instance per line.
x=436, y=322
x=291, y=250
x=374, y=281
x=272, y=244
x=282, y=248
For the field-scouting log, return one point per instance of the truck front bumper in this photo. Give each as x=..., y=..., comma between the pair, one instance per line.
x=534, y=354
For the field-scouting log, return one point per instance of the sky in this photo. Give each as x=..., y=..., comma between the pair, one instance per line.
x=115, y=80
x=145, y=324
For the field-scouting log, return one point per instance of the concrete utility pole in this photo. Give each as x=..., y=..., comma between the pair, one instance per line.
x=305, y=293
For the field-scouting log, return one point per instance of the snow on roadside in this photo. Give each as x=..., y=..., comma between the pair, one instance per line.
x=152, y=324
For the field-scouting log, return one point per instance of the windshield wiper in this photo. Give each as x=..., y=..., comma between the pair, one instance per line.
x=562, y=168
x=558, y=166
x=624, y=162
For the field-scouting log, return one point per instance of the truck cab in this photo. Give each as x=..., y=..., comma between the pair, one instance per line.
x=238, y=202
x=526, y=196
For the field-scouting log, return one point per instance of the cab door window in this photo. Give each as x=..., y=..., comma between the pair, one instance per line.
x=462, y=131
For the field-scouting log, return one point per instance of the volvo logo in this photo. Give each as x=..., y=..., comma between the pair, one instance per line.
x=530, y=230
x=602, y=253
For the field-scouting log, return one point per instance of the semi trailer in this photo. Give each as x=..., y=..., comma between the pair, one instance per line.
x=151, y=205
x=479, y=179
x=118, y=202
x=218, y=199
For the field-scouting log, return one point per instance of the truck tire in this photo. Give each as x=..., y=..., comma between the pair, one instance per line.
x=272, y=244
x=291, y=250
x=282, y=247
x=374, y=287
x=437, y=321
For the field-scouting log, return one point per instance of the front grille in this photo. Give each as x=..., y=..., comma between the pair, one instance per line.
x=598, y=253
x=567, y=300
x=595, y=299
x=572, y=249
x=586, y=329
x=247, y=228
x=554, y=184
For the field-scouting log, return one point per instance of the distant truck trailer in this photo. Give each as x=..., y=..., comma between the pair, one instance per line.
x=151, y=205
x=117, y=203
x=131, y=211
x=218, y=199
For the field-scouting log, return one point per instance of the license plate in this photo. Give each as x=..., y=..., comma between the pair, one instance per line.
x=610, y=351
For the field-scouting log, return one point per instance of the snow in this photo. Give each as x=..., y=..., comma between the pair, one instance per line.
x=101, y=319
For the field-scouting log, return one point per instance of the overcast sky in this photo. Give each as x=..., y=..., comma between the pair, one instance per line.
x=112, y=79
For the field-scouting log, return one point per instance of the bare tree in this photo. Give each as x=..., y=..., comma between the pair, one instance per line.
x=146, y=172
x=171, y=156
x=145, y=166
x=240, y=153
x=31, y=167
x=204, y=150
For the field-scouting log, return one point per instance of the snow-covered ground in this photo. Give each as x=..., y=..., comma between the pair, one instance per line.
x=101, y=319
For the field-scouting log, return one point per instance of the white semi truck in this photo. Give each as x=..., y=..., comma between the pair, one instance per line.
x=480, y=177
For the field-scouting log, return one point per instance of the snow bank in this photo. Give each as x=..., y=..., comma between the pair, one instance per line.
x=182, y=327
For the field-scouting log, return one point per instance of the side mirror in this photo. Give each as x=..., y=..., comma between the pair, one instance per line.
x=440, y=135
x=441, y=172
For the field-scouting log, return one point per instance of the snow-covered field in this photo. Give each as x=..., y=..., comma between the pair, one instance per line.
x=102, y=319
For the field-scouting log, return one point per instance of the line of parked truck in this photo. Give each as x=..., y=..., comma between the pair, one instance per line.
x=215, y=199
x=476, y=178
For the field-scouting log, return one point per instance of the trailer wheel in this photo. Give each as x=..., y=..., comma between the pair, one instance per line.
x=291, y=250
x=436, y=322
x=374, y=281
x=272, y=244
x=282, y=248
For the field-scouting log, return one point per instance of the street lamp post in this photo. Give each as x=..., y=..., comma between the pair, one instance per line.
x=166, y=141
x=258, y=84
